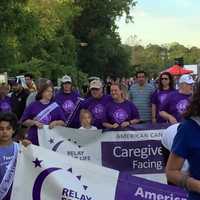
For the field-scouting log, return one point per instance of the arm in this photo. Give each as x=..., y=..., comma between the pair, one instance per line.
x=108, y=125
x=153, y=113
x=56, y=123
x=168, y=117
x=174, y=174
x=32, y=122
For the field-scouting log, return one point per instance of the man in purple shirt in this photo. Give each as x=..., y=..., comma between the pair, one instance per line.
x=176, y=103
x=96, y=103
x=69, y=100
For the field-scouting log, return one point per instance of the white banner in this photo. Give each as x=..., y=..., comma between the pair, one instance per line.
x=137, y=152
x=45, y=175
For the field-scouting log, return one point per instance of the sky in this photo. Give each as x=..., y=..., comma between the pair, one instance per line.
x=163, y=21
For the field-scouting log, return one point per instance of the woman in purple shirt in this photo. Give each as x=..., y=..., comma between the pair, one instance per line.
x=165, y=87
x=41, y=112
x=120, y=112
x=177, y=102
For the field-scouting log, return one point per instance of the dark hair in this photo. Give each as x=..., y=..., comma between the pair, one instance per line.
x=194, y=108
x=42, y=88
x=9, y=117
x=140, y=72
x=171, y=81
x=28, y=75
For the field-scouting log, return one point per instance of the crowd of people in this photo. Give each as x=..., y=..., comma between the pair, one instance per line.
x=117, y=105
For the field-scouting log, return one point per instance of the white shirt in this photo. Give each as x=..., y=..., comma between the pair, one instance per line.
x=91, y=128
x=167, y=141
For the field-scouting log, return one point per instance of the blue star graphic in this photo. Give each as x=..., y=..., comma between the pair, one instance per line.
x=37, y=162
x=51, y=141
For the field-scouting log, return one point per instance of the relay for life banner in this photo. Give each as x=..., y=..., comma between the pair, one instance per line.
x=138, y=152
x=42, y=174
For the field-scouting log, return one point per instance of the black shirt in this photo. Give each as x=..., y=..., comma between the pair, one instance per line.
x=18, y=102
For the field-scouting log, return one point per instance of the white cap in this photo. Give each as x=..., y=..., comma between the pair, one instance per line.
x=66, y=79
x=96, y=84
x=186, y=79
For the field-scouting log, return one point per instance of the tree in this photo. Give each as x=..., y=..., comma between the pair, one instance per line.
x=96, y=26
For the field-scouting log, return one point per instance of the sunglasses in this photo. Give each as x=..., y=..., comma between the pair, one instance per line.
x=164, y=79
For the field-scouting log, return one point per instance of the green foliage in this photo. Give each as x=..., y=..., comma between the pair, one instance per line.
x=36, y=36
x=156, y=58
x=97, y=27
x=40, y=68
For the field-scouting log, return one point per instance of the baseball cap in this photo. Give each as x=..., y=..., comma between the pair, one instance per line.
x=95, y=84
x=66, y=79
x=186, y=79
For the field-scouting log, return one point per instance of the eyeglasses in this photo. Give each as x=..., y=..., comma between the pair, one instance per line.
x=164, y=79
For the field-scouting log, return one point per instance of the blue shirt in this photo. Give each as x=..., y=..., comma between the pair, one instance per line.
x=6, y=155
x=187, y=145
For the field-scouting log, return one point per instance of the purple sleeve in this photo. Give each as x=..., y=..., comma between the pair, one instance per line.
x=134, y=111
x=154, y=98
x=59, y=114
x=28, y=113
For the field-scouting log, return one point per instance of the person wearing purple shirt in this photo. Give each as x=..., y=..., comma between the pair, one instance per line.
x=5, y=102
x=96, y=103
x=165, y=87
x=69, y=100
x=177, y=102
x=43, y=111
x=120, y=112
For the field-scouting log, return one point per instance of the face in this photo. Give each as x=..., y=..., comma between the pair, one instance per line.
x=86, y=119
x=141, y=78
x=186, y=88
x=6, y=132
x=28, y=80
x=16, y=87
x=96, y=93
x=116, y=93
x=165, y=80
x=67, y=87
x=48, y=94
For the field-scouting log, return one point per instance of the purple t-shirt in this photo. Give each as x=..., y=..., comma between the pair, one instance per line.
x=5, y=104
x=176, y=104
x=6, y=155
x=33, y=110
x=97, y=108
x=158, y=98
x=68, y=102
x=120, y=112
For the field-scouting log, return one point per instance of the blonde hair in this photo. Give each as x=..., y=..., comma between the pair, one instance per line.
x=123, y=88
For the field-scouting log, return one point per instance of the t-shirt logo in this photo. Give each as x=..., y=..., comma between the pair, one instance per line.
x=98, y=111
x=163, y=97
x=182, y=105
x=68, y=106
x=5, y=106
x=120, y=115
